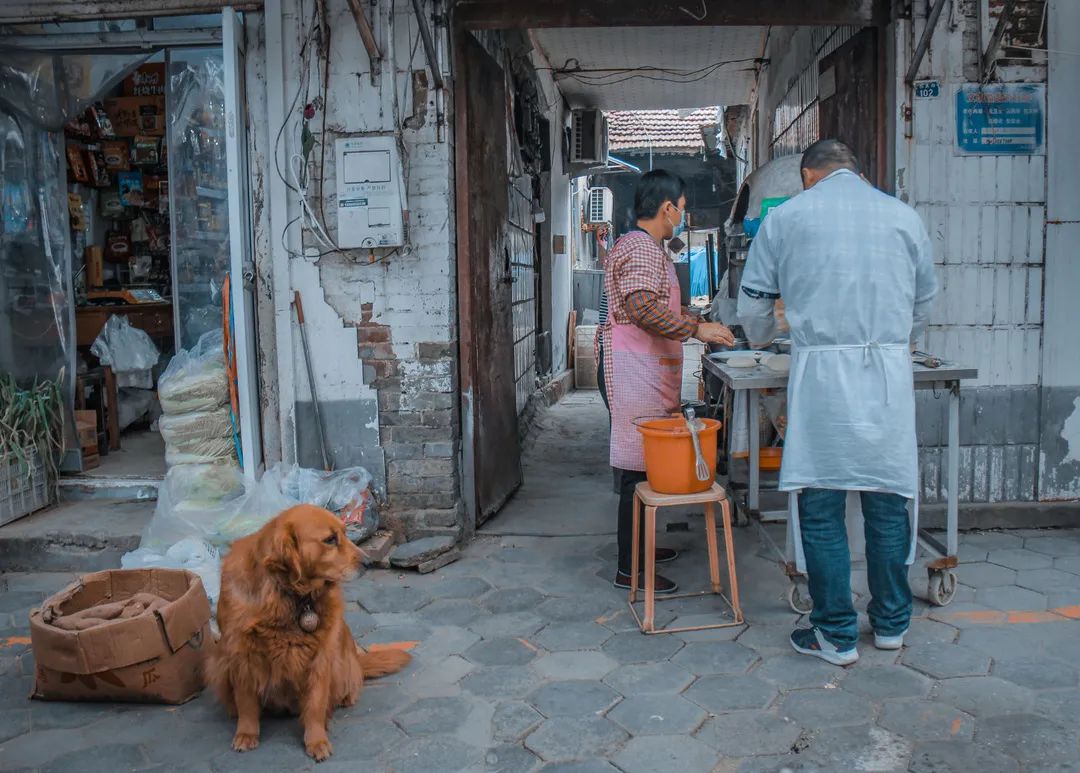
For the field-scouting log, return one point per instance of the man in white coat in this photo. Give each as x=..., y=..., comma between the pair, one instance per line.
x=855, y=270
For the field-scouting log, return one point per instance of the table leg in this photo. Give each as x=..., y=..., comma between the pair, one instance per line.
x=635, y=557
x=754, y=459
x=953, y=463
x=714, y=552
x=650, y=569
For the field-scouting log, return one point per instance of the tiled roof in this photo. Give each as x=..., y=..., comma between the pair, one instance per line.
x=678, y=130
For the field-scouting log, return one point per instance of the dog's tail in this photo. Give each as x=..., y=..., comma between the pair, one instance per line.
x=382, y=662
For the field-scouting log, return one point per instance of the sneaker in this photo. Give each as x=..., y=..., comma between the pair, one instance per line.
x=810, y=641
x=666, y=555
x=662, y=586
x=889, y=642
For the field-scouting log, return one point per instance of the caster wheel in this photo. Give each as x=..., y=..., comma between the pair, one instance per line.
x=799, y=600
x=942, y=586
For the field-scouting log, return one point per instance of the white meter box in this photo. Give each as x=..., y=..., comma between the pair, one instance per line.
x=370, y=194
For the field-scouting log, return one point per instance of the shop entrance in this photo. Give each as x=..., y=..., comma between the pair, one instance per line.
x=126, y=230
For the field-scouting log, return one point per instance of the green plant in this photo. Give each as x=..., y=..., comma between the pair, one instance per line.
x=32, y=417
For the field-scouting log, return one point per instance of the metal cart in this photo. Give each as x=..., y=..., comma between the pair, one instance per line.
x=941, y=567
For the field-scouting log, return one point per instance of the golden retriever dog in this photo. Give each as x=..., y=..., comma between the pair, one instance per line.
x=284, y=643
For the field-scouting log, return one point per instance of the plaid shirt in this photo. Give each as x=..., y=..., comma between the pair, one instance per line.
x=637, y=288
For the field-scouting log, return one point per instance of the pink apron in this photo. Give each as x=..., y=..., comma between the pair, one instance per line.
x=646, y=380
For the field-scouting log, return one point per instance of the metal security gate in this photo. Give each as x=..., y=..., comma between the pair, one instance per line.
x=522, y=256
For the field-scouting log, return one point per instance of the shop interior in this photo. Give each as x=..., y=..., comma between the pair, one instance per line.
x=140, y=256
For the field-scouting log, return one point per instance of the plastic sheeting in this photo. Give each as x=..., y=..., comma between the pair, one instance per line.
x=202, y=508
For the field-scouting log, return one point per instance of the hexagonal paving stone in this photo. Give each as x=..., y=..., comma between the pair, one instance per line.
x=512, y=720
x=746, y=733
x=720, y=694
x=458, y=588
x=1070, y=564
x=363, y=739
x=784, y=763
x=649, y=678
x=992, y=540
x=1031, y=739
x=436, y=752
x=392, y=598
x=985, y=696
x=563, y=637
x=959, y=757
x=13, y=722
x=985, y=575
x=515, y=624
x=578, y=664
x=500, y=652
x=724, y=657
x=1004, y=641
x=459, y=612
x=1055, y=704
x=1020, y=558
x=924, y=720
x=945, y=661
x=446, y=640
x=501, y=681
x=635, y=648
x=580, y=766
x=821, y=708
x=1011, y=598
x=431, y=716
x=658, y=715
x=1058, y=546
x=925, y=631
x=1036, y=674
x=574, y=609
x=567, y=739
x=791, y=671
x=512, y=600
x=573, y=699
x=650, y=754
x=510, y=759
x=883, y=682
x=860, y=747
x=1044, y=580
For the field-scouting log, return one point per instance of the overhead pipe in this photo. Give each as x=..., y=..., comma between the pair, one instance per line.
x=429, y=45
x=924, y=41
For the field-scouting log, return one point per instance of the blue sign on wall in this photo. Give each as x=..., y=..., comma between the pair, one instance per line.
x=1001, y=119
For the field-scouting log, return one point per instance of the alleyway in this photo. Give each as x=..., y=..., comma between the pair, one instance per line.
x=527, y=659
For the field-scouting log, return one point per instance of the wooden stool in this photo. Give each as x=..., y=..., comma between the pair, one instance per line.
x=644, y=495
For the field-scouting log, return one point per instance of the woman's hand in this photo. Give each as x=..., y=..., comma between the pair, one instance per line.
x=714, y=333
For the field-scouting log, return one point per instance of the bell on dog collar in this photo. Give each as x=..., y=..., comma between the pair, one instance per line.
x=309, y=620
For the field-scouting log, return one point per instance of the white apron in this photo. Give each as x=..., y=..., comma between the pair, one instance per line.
x=881, y=375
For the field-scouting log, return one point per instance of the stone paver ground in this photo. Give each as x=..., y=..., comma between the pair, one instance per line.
x=527, y=660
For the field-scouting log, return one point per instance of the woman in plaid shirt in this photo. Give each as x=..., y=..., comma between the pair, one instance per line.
x=641, y=342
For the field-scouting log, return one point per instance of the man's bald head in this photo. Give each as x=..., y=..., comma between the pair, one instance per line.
x=825, y=157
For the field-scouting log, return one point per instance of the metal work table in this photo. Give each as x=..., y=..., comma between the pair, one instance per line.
x=945, y=378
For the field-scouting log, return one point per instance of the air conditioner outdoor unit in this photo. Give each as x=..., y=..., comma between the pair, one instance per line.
x=599, y=206
x=588, y=137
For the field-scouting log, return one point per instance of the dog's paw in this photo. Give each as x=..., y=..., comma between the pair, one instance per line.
x=319, y=749
x=245, y=742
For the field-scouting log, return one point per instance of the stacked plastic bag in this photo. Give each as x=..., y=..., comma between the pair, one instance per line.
x=132, y=355
x=194, y=393
x=202, y=508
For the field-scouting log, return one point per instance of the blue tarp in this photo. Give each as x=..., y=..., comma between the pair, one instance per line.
x=699, y=271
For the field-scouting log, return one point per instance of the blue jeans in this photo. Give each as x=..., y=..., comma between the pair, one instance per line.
x=828, y=563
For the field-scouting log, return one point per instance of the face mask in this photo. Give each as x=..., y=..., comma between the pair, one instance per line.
x=679, y=227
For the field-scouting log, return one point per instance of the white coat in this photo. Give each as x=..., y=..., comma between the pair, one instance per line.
x=855, y=269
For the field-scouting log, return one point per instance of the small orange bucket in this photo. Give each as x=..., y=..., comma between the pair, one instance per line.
x=669, y=454
x=769, y=459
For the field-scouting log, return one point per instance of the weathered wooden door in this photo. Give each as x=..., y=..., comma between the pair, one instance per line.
x=848, y=92
x=490, y=413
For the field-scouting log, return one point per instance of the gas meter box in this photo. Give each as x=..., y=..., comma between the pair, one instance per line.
x=370, y=193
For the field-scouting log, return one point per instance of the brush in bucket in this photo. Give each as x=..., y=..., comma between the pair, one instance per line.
x=670, y=458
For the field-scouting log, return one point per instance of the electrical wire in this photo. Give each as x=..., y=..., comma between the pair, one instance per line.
x=604, y=76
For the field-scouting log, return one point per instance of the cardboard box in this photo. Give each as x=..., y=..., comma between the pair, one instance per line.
x=137, y=115
x=156, y=657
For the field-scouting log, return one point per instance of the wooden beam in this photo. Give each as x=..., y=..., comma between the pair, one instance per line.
x=97, y=10
x=534, y=14
x=366, y=33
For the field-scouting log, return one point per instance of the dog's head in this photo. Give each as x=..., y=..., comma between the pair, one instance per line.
x=306, y=547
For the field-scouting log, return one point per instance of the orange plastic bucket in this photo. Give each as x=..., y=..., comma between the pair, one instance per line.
x=769, y=459
x=669, y=454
